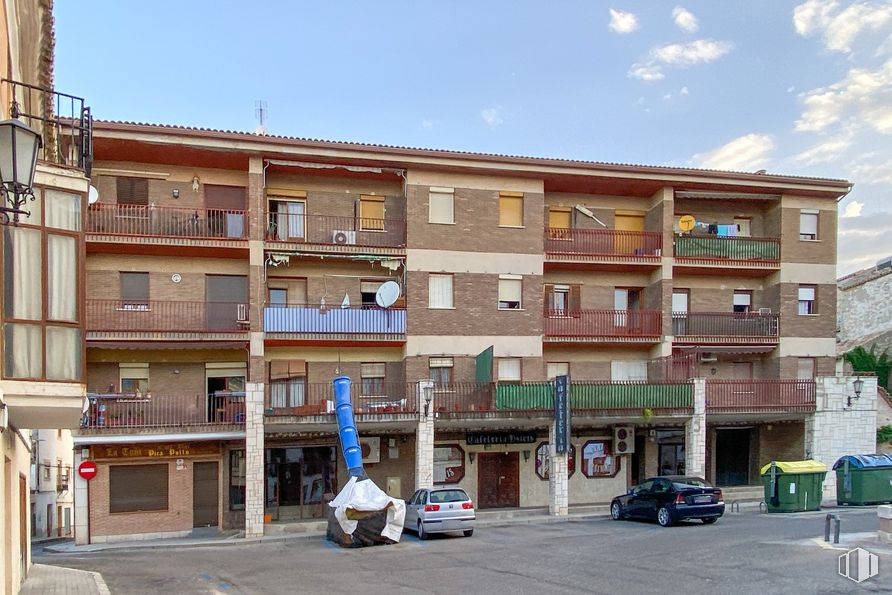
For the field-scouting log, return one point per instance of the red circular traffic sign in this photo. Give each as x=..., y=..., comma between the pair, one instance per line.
x=87, y=470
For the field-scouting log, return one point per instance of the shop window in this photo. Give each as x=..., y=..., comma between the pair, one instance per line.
x=511, y=209
x=449, y=463
x=543, y=461
x=237, y=480
x=441, y=371
x=807, y=302
x=372, y=376
x=371, y=213
x=510, y=292
x=598, y=459
x=441, y=208
x=137, y=488
x=440, y=291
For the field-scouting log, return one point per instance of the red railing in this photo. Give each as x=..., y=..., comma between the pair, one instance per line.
x=155, y=316
x=602, y=242
x=602, y=323
x=169, y=222
x=724, y=324
x=152, y=411
x=760, y=395
x=333, y=231
x=293, y=397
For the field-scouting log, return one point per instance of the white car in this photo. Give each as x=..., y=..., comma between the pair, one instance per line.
x=440, y=510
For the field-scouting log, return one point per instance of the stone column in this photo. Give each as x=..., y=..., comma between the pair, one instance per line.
x=81, y=501
x=254, y=459
x=558, y=482
x=695, y=433
x=424, y=438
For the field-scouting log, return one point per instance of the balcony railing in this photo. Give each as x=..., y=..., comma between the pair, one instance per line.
x=603, y=324
x=734, y=396
x=297, y=398
x=158, y=316
x=352, y=321
x=740, y=325
x=607, y=243
x=758, y=250
x=164, y=411
x=168, y=222
x=63, y=121
x=336, y=231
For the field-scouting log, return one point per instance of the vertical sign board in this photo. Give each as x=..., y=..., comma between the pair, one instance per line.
x=561, y=414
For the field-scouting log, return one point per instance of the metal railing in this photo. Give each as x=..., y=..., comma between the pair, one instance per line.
x=161, y=316
x=354, y=320
x=724, y=324
x=602, y=242
x=760, y=395
x=602, y=323
x=291, y=397
x=336, y=231
x=151, y=411
x=170, y=222
x=65, y=124
x=728, y=249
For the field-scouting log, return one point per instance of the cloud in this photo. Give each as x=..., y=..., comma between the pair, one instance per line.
x=868, y=92
x=684, y=91
x=685, y=19
x=667, y=96
x=492, y=116
x=700, y=51
x=791, y=88
x=840, y=29
x=427, y=124
x=623, y=22
x=866, y=170
x=646, y=72
x=828, y=151
x=746, y=153
x=862, y=241
x=853, y=209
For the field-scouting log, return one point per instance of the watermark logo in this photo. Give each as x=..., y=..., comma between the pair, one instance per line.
x=859, y=565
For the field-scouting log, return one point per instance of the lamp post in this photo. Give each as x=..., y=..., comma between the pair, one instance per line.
x=858, y=384
x=428, y=391
x=19, y=145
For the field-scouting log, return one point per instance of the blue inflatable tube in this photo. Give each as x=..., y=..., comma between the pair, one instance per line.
x=347, y=428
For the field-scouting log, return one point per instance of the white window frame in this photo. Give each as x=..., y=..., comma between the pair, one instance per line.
x=512, y=278
x=628, y=371
x=506, y=361
x=811, y=305
x=441, y=194
x=131, y=371
x=551, y=373
x=431, y=278
x=817, y=219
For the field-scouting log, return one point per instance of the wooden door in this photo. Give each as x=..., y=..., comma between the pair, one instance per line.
x=204, y=495
x=498, y=480
x=628, y=243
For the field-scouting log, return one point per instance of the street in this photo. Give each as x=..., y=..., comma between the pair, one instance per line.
x=746, y=553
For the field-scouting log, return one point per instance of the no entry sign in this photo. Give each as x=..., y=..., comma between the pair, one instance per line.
x=87, y=470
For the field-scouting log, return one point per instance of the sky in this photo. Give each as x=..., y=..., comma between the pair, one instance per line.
x=802, y=88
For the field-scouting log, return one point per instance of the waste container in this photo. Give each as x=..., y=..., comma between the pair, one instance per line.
x=863, y=479
x=793, y=486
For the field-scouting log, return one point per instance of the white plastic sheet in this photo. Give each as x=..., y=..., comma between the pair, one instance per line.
x=365, y=496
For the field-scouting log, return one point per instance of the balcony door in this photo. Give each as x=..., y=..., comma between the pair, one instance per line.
x=559, y=223
x=289, y=220
x=680, y=299
x=626, y=303
x=226, y=210
x=227, y=302
x=630, y=242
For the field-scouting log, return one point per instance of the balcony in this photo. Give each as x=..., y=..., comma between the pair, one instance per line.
x=165, y=321
x=760, y=396
x=299, y=399
x=721, y=328
x=157, y=227
x=607, y=247
x=120, y=412
x=354, y=325
x=697, y=252
x=330, y=234
x=593, y=326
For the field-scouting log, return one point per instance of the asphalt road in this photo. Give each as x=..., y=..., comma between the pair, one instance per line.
x=742, y=553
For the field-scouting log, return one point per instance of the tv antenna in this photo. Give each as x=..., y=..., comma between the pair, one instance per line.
x=261, y=112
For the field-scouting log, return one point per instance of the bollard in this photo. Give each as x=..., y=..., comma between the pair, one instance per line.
x=735, y=506
x=836, y=528
x=831, y=518
x=763, y=508
x=827, y=527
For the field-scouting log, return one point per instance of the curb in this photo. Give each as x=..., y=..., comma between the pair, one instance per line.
x=100, y=584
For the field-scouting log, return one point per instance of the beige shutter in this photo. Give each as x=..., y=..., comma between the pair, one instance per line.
x=511, y=209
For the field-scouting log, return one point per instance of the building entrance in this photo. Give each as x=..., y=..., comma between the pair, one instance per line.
x=498, y=480
x=732, y=457
x=300, y=481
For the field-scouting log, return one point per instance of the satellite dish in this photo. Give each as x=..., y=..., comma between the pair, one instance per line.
x=387, y=294
x=93, y=195
x=686, y=223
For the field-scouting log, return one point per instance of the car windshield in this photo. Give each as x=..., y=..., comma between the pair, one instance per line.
x=690, y=482
x=443, y=496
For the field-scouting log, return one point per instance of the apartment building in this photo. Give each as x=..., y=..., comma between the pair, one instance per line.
x=52, y=488
x=230, y=277
x=42, y=347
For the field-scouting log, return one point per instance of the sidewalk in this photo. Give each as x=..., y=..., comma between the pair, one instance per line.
x=55, y=580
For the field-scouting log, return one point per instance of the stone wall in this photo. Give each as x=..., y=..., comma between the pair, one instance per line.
x=862, y=309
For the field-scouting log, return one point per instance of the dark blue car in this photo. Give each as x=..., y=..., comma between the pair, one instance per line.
x=669, y=499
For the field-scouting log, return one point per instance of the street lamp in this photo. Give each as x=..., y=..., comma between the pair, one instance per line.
x=859, y=386
x=428, y=391
x=19, y=145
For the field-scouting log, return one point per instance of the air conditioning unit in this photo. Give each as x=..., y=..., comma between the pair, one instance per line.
x=371, y=449
x=764, y=310
x=242, y=312
x=708, y=357
x=343, y=237
x=623, y=440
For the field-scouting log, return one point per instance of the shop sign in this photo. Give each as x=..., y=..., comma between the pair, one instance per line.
x=477, y=438
x=167, y=450
x=561, y=414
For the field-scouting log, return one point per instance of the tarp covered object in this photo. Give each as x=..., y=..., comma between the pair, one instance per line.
x=364, y=496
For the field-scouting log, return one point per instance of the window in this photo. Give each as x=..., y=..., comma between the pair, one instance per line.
x=134, y=488
x=287, y=383
x=439, y=291
x=808, y=225
x=511, y=209
x=47, y=470
x=543, y=461
x=61, y=278
x=63, y=353
x=134, y=378
x=372, y=378
x=560, y=300
x=371, y=213
x=598, y=459
x=132, y=191
x=744, y=226
x=23, y=350
x=22, y=265
x=226, y=214
x=237, y=480
x=628, y=371
x=807, y=304
x=368, y=290
x=440, y=369
x=559, y=217
x=441, y=208
x=135, y=291
x=555, y=369
x=63, y=209
x=510, y=289
x=278, y=298
x=287, y=219
x=449, y=466
x=742, y=301
x=509, y=369
x=805, y=369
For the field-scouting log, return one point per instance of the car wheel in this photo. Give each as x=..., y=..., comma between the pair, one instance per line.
x=469, y=532
x=422, y=534
x=710, y=520
x=664, y=517
x=616, y=511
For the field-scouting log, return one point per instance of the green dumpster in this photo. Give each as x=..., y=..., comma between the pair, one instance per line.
x=793, y=486
x=863, y=479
